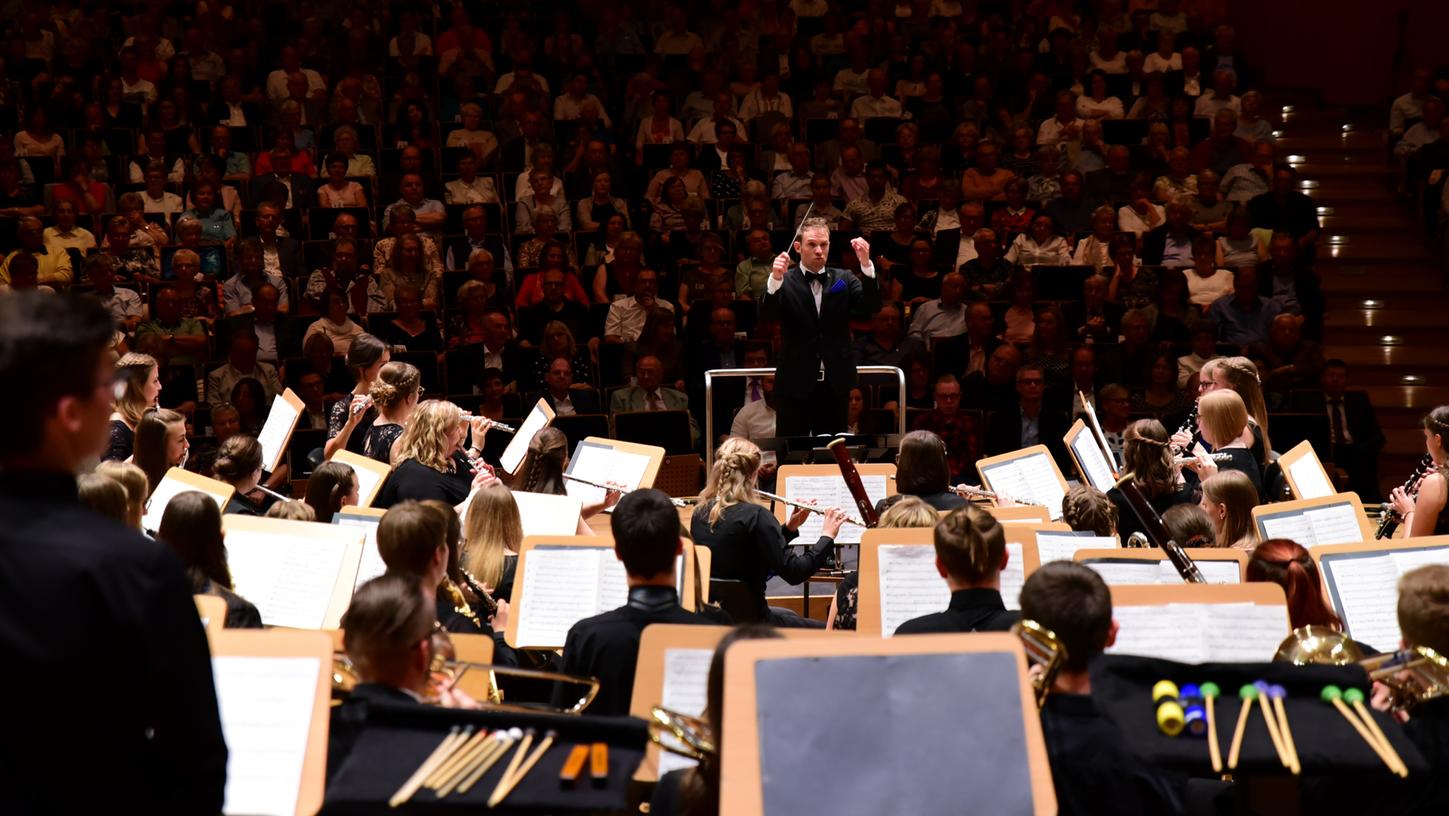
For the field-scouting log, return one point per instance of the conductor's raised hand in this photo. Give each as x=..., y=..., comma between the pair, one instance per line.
x=834, y=517
x=782, y=262
x=862, y=250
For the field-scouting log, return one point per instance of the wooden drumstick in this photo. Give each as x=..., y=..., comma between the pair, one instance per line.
x=1272, y=722
x=1210, y=692
x=1276, y=694
x=1354, y=697
x=1332, y=694
x=1247, y=693
x=408, y=788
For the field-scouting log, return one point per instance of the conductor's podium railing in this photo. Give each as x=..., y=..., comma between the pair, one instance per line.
x=724, y=373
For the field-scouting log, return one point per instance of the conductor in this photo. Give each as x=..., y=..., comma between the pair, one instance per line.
x=814, y=304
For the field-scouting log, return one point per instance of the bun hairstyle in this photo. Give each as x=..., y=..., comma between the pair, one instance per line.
x=541, y=470
x=1289, y=565
x=240, y=456
x=397, y=382
x=732, y=477
x=133, y=370
x=364, y=353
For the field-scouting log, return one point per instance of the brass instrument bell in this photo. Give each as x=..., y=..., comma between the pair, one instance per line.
x=692, y=736
x=1044, y=649
x=1414, y=675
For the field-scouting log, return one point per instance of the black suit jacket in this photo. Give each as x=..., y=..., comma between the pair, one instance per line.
x=809, y=338
x=1363, y=423
x=729, y=393
x=971, y=610
x=1003, y=432
x=74, y=583
x=954, y=353
x=302, y=188
x=350, y=718
x=1077, y=316
x=289, y=333
x=585, y=400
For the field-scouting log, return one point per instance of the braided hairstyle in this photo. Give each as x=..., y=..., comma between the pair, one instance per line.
x=1146, y=452
x=542, y=468
x=732, y=477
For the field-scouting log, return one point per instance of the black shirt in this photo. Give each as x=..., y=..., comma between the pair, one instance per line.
x=122, y=440
x=1127, y=521
x=349, y=719
x=1428, y=729
x=749, y=545
x=1094, y=770
x=971, y=610
x=607, y=646
x=380, y=438
x=413, y=480
x=75, y=585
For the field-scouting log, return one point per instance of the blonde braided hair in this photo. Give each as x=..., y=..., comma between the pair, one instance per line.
x=732, y=477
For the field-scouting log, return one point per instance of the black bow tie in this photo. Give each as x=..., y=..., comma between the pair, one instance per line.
x=820, y=277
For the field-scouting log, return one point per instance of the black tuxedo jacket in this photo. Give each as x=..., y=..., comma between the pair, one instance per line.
x=809, y=338
x=1363, y=423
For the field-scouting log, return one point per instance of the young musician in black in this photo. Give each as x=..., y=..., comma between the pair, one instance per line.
x=1424, y=621
x=1094, y=770
x=387, y=633
x=814, y=304
x=970, y=555
x=646, y=538
x=746, y=541
x=412, y=539
x=75, y=586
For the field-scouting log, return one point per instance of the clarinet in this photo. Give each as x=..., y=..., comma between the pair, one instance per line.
x=1156, y=532
x=1391, y=518
x=1187, y=427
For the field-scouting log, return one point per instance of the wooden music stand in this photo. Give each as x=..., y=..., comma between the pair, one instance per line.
x=1329, y=558
x=291, y=643
x=983, y=465
x=1262, y=593
x=477, y=648
x=287, y=409
x=1304, y=472
x=177, y=481
x=540, y=417
x=788, y=472
x=742, y=783
x=516, y=603
x=1018, y=514
x=212, y=609
x=1299, y=506
x=360, y=512
x=1157, y=555
x=1083, y=458
x=371, y=474
x=654, y=452
x=352, y=537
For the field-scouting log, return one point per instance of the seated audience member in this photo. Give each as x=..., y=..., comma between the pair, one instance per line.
x=1029, y=421
x=1354, y=431
x=561, y=396
x=1040, y=246
x=387, y=633
x=240, y=289
x=944, y=317
x=1171, y=245
x=647, y=540
x=966, y=354
x=1244, y=317
x=957, y=433
x=1088, y=510
x=1206, y=281
x=1289, y=281
x=748, y=544
x=886, y=344
x=1286, y=209
x=241, y=362
x=1287, y=362
x=1423, y=610
x=970, y=555
x=626, y=316
x=334, y=323
x=756, y=420
x=191, y=527
x=1094, y=769
x=52, y=266
x=1289, y=565
x=649, y=394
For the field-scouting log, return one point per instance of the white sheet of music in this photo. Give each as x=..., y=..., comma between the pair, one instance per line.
x=1368, y=598
x=564, y=585
x=367, y=481
x=1244, y=632
x=1292, y=526
x=1013, y=576
x=1412, y=559
x=371, y=565
x=266, y=713
x=1317, y=527
x=601, y=463
x=1032, y=478
x=1165, y=632
x=277, y=430
x=1089, y=454
x=517, y=448
x=1197, y=633
x=830, y=491
x=167, y=490
x=1216, y=572
x=1119, y=573
x=545, y=514
x=289, y=578
x=1052, y=545
x=909, y=585
x=1308, y=476
x=686, y=684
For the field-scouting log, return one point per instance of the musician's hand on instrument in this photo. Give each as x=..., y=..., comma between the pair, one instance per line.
x=1203, y=466
x=797, y=518
x=485, y=478
x=1401, y=500
x=613, y=493
x=834, y=517
x=455, y=698
x=479, y=425
x=360, y=403
x=777, y=269
x=499, y=621
x=1182, y=440
x=1381, y=697
x=862, y=250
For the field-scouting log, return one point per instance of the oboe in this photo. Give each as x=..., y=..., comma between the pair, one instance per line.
x=803, y=506
x=1186, y=427
x=1391, y=518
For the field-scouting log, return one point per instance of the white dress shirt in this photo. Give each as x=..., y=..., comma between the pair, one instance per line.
x=816, y=287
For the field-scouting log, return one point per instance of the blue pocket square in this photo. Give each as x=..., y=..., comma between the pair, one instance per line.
x=839, y=285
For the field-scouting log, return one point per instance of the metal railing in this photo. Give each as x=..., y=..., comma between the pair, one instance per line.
x=729, y=373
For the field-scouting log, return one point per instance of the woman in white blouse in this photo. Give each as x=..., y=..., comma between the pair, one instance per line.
x=338, y=191
x=1096, y=104
x=1140, y=214
x=1039, y=247
x=335, y=325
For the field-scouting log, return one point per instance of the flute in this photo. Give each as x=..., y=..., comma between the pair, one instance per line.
x=803, y=506
x=970, y=492
x=274, y=494
x=619, y=488
x=492, y=423
x=1216, y=457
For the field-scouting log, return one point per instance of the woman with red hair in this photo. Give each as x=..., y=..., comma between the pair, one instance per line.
x=1289, y=565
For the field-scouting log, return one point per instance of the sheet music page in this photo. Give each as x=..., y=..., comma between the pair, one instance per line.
x=162, y=496
x=266, y=714
x=1241, y=632
x=1052, y=545
x=614, y=581
x=1292, y=526
x=1013, y=576
x=289, y=578
x=367, y=481
x=601, y=463
x=1118, y=573
x=1364, y=592
x=1216, y=572
x=909, y=585
x=830, y=491
x=277, y=430
x=1334, y=524
x=1170, y=632
x=1308, y=476
x=1089, y=454
x=544, y=514
x=517, y=448
x=686, y=681
x=1412, y=559
x=560, y=588
x=370, y=566
x=1031, y=478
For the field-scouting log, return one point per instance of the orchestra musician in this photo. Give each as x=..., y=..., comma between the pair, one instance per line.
x=428, y=457
x=903, y=511
x=814, y=304
x=351, y=418
x=1423, y=613
x=332, y=486
x=1222, y=421
x=1146, y=453
x=1288, y=564
x=161, y=444
x=412, y=539
x=239, y=464
x=542, y=471
x=922, y=470
x=970, y=555
x=646, y=531
x=139, y=385
x=1426, y=510
x=395, y=394
x=191, y=527
x=158, y=744
x=747, y=542
x=1088, y=510
x=1228, y=498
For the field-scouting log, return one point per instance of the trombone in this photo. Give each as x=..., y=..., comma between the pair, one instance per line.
x=803, y=506
x=1044, y=650
x=1414, y=675
x=693, y=737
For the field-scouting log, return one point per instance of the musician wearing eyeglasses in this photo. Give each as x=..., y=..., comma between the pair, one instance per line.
x=1094, y=769
x=970, y=555
x=645, y=526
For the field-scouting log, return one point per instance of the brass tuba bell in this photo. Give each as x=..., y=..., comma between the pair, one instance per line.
x=1414, y=675
x=1044, y=650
